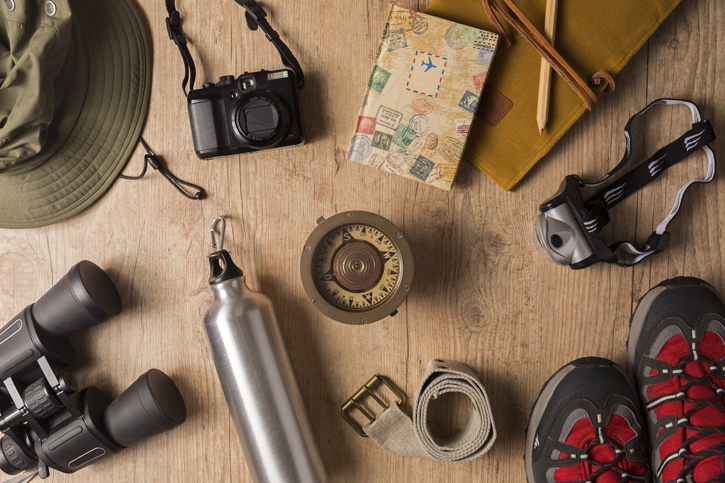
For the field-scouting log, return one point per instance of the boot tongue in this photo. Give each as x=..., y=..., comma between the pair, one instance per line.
x=706, y=417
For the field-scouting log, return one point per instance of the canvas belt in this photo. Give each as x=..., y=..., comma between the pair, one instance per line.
x=397, y=433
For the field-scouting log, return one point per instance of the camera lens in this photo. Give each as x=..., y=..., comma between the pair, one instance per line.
x=84, y=297
x=150, y=406
x=258, y=118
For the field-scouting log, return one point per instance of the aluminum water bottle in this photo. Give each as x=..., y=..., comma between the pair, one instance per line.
x=258, y=382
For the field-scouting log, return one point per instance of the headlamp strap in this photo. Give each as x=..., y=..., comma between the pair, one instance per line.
x=257, y=17
x=698, y=137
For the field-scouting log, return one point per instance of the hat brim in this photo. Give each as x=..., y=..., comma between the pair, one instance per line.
x=106, y=133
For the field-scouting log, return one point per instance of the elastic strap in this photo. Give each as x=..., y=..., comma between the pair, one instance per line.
x=173, y=27
x=395, y=432
x=150, y=159
x=698, y=137
x=257, y=17
x=538, y=41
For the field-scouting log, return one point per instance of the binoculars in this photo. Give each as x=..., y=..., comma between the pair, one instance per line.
x=46, y=421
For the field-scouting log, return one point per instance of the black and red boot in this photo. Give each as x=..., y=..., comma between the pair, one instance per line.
x=585, y=427
x=676, y=355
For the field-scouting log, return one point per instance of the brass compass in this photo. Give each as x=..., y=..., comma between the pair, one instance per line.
x=356, y=267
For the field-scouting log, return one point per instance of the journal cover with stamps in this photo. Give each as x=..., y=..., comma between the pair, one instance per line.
x=421, y=97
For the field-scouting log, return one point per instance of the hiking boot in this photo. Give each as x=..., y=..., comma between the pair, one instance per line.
x=676, y=356
x=585, y=427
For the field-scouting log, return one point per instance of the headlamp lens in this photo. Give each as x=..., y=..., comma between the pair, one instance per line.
x=539, y=241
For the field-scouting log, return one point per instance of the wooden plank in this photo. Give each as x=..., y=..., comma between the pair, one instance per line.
x=481, y=296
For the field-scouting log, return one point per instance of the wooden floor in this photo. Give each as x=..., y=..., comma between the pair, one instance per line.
x=482, y=295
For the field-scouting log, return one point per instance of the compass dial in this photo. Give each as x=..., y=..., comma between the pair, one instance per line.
x=356, y=267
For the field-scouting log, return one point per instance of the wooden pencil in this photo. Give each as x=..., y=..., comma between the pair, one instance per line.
x=542, y=113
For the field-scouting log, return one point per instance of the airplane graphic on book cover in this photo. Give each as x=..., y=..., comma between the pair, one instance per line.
x=426, y=73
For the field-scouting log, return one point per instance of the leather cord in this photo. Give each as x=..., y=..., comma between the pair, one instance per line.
x=538, y=41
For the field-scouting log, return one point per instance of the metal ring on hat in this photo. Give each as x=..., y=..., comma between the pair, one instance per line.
x=50, y=8
x=9, y=5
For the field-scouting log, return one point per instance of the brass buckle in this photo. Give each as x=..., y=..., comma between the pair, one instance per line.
x=367, y=390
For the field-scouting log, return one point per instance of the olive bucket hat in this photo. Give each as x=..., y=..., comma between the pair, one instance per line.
x=75, y=82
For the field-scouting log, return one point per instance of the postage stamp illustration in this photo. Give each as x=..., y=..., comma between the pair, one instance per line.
x=459, y=36
x=421, y=106
x=485, y=55
x=431, y=141
x=382, y=140
x=420, y=123
x=463, y=126
x=396, y=39
x=419, y=25
x=359, y=148
x=389, y=118
x=404, y=136
x=365, y=125
x=376, y=161
x=378, y=78
x=479, y=80
x=452, y=150
x=469, y=102
x=421, y=168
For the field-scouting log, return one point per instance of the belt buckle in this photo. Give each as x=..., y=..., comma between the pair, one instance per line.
x=367, y=390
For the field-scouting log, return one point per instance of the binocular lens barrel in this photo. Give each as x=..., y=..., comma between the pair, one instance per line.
x=84, y=297
x=14, y=459
x=150, y=406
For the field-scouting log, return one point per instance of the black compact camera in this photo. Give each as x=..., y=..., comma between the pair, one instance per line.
x=259, y=110
x=47, y=422
x=256, y=111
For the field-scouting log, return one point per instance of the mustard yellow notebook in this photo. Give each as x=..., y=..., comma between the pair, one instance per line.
x=591, y=36
x=421, y=97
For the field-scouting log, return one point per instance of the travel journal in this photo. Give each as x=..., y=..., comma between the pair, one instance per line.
x=421, y=97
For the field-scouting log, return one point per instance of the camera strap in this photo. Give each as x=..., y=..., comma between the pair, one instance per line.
x=173, y=27
x=698, y=137
x=256, y=18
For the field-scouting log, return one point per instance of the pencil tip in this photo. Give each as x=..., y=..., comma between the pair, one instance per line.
x=541, y=132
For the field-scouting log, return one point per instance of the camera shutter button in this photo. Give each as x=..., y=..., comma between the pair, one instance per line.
x=207, y=85
x=225, y=80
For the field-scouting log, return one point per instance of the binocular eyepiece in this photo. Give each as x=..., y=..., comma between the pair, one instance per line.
x=46, y=421
x=84, y=297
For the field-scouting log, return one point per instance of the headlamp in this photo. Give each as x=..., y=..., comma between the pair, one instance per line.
x=568, y=229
